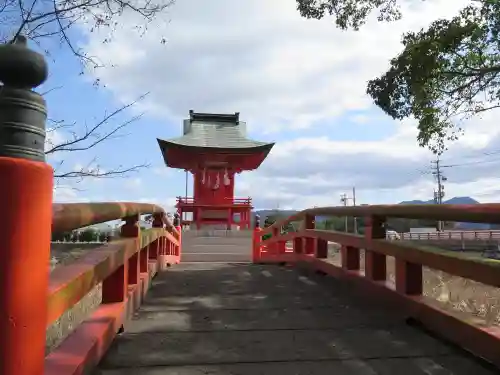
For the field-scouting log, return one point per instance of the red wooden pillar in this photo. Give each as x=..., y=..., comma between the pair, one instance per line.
x=273, y=248
x=375, y=263
x=310, y=243
x=26, y=219
x=321, y=248
x=179, y=249
x=256, y=241
x=131, y=230
x=198, y=218
x=298, y=245
x=154, y=247
x=349, y=257
x=115, y=287
x=229, y=218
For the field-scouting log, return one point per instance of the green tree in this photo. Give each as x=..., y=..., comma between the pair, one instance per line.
x=103, y=236
x=89, y=235
x=445, y=74
x=350, y=14
x=61, y=236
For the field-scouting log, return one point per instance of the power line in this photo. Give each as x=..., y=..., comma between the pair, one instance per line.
x=470, y=163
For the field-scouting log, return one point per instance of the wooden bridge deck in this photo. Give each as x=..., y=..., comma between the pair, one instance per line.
x=240, y=318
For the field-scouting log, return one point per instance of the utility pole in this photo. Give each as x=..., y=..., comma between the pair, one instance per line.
x=343, y=200
x=439, y=194
x=354, y=204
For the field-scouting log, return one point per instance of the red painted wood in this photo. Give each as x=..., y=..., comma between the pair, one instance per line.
x=256, y=244
x=144, y=259
x=321, y=248
x=408, y=277
x=350, y=257
x=25, y=232
x=310, y=243
x=114, y=288
x=375, y=263
x=298, y=245
x=133, y=269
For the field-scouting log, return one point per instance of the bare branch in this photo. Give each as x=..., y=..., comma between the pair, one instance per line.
x=77, y=142
x=97, y=172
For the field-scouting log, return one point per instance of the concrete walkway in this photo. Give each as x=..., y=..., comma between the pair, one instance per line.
x=244, y=319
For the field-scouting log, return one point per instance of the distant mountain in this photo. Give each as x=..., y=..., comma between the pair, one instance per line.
x=455, y=200
x=461, y=200
x=265, y=213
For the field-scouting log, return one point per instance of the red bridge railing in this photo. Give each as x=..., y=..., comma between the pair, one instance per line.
x=229, y=201
x=310, y=249
x=124, y=267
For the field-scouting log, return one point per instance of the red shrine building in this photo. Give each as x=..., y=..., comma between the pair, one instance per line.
x=214, y=148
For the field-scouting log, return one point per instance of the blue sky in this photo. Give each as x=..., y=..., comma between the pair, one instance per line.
x=298, y=83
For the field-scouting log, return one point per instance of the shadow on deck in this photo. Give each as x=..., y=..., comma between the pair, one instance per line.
x=240, y=318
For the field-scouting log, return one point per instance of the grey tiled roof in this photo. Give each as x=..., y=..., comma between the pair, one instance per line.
x=215, y=135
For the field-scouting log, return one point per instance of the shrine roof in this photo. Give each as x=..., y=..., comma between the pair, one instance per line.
x=221, y=131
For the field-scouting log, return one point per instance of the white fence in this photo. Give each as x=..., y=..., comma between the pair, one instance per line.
x=452, y=235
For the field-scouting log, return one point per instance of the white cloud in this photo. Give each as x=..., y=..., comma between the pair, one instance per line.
x=258, y=57
x=283, y=72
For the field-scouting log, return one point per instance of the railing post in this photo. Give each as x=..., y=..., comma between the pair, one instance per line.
x=131, y=230
x=256, y=240
x=298, y=245
x=275, y=247
x=154, y=247
x=375, y=263
x=349, y=257
x=115, y=287
x=310, y=242
x=178, y=227
x=26, y=202
x=321, y=248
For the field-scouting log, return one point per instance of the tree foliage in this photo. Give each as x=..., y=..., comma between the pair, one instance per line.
x=89, y=235
x=350, y=14
x=445, y=74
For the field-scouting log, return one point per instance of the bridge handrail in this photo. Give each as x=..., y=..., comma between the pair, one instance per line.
x=310, y=247
x=70, y=216
x=68, y=284
x=124, y=267
x=473, y=213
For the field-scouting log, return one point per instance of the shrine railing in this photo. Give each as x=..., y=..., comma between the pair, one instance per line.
x=411, y=277
x=228, y=201
x=123, y=268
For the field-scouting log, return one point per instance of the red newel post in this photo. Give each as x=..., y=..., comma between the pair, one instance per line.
x=26, y=202
x=375, y=263
x=310, y=243
x=131, y=230
x=154, y=247
x=256, y=240
x=177, y=224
